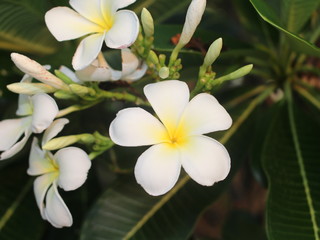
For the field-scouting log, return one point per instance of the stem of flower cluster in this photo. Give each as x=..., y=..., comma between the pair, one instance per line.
x=123, y=96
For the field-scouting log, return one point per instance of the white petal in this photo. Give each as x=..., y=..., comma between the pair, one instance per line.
x=87, y=51
x=66, y=24
x=24, y=105
x=204, y=114
x=158, y=169
x=136, y=127
x=70, y=74
x=38, y=162
x=95, y=73
x=24, y=101
x=56, y=211
x=53, y=130
x=137, y=74
x=168, y=99
x=16, y=147
x=111, y=6
x=40, y=187
x=11, y=130
x=74, y=165
x=45, y=110
x=129, y=62
x=205, y=160
x=89, y=9
x=124, y=31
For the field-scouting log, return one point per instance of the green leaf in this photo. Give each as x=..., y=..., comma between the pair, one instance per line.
x=19, y=215
x=162, y=10
x=22, y=27
x=295, y=13
x=291, y=161
x=241, y=225
x=297, y=43
x=125, y=211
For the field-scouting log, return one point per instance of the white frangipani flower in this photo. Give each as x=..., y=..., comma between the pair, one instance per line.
x=38, y=111
x=193, y=18
x=100, y=71
x=177, y=140
x=67, y=168
x=98, y=20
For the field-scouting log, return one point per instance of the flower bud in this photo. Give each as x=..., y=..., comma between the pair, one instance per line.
x=37, y=71
x=30, y=88
x=81, y=90
x=164, y=72
x=153, y=57
x=147, y=22
x=61, y=142
x=193, y=18
x=234, y=75
x=60, y=94
x=213, y=52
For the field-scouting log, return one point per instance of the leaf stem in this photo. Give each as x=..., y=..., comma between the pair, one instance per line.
x=303, y=92
x=75, y=108
x=123, y=96
x=157, y=206
x=11, y=210
x=236, y=101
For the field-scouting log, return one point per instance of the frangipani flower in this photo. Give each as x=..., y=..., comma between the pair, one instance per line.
x=99, y=70
x=67, y=168
x=177, y=140
x=38, y=111
x=99, y=21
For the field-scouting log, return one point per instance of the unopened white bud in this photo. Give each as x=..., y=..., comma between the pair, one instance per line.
x=30, y=88
x=37, y=71
x=193, y=18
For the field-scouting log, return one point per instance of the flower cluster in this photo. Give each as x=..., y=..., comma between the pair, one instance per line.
x=177, y=136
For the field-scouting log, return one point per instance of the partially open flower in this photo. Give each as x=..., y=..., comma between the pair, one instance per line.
x=98, y=20
x=67, y=168
x=177, y=140
x=38, y=111
x=100, y=71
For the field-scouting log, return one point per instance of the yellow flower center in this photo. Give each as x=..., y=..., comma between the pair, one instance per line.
x=177, y=136
x=54, y=165
x=106, y=23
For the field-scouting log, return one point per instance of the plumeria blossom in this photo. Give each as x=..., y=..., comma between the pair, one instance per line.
x=100, y=71
x=67, y=168
x=177, y=138
x=38, y=112
x=99, y=21
x=132, y=69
